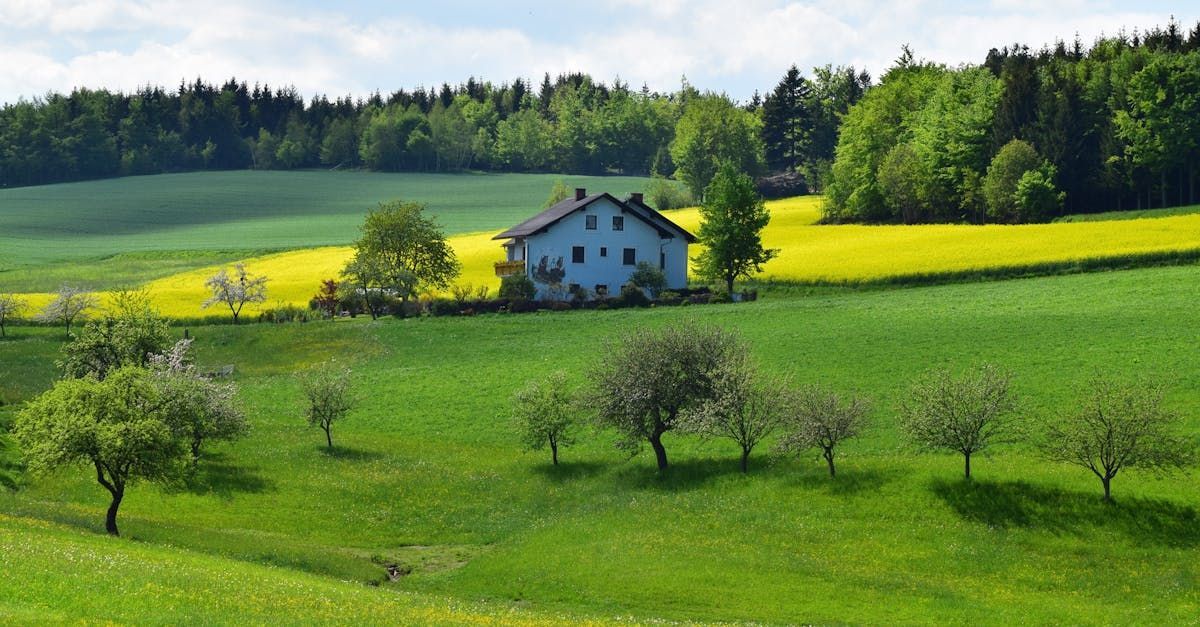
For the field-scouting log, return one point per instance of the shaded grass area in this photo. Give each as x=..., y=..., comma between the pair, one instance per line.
x=259, y=210
x=116, y=271
x=428, y=469
x=1130, y=214
x=55, y=574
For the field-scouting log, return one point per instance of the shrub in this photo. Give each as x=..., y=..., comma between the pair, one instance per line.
x=445, y=307
x=580, y=294
x=285, y=313
x=669, y=298
x=517, y=287
x=633, y=296
x=649, y=277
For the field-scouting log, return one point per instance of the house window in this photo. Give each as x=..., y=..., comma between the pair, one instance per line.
x=662, y=260
x=604, y=251
x=630, y=257
x=577, y=254
x=590, y=222
x=601, y=290
x=618, y=223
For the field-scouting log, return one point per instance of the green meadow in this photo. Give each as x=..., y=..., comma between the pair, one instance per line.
x=133, y=229
x=427, y=473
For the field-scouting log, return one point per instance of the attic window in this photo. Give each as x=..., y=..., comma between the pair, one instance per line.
x=604, y=251
x=618, y=223
x=590, y=223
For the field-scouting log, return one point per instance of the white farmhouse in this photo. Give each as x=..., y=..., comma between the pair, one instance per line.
x=594, y=242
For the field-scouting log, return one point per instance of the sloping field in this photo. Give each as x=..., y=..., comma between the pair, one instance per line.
x=427, y=468
x=809, y=253
x=250, y=210
x=55, y=574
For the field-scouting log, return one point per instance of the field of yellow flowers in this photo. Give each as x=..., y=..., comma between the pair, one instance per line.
x=809, y=253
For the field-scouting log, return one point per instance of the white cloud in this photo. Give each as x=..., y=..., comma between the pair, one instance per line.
x=735, y=47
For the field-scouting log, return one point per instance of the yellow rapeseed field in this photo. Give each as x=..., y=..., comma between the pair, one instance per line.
x=809, y=253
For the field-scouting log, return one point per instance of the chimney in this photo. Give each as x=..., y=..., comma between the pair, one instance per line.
x=637, y=197
x=580, y=193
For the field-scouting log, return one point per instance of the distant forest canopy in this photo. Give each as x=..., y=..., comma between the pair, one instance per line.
x=1026, y=136
x=571, y=124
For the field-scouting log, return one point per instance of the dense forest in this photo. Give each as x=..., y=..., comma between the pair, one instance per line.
x=1026, y=136
x=570, y=124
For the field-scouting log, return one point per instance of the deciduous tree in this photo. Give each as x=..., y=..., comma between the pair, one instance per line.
x=646, y=380
x=197, y=408
x=11, y=308
x=129, y=333
x=545, y=413
x=116, y=426
x=407, y=248
x=70, y=304
x=968, y=413
x=235, y=291
x=328, y=396
x=732, y=216
x=746, y=407
x=1121, y=425
x=713, y=130
x=821, y=418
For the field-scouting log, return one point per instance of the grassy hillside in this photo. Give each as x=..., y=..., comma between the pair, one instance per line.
x=427, y=473
x=245, y=211
x=47, y=569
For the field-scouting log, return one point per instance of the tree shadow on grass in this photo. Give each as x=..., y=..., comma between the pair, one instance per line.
x=219, y=475
x=849, y=481
x=1024, y=505
x=569, y=470
x=349, y=454
x=688, y=474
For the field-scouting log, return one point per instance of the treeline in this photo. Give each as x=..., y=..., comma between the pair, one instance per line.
x=569, y=124
x=1027, y=136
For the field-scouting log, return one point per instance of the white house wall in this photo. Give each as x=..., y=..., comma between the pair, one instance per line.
x=610, y=271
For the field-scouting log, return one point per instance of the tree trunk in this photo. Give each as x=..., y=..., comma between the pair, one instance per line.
x=1107, y=481
x=328, y=437
x=729, y=286
x=195, y=450
x=660, y=453
x=745, y=460
x=554, y=452
x=967, y=465
x=829, y=460
x=110, y=519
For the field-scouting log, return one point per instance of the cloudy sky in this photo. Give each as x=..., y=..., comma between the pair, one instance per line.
x=357, y=47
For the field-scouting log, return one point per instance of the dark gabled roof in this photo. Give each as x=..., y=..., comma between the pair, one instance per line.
x=633, y=202
x=566, y=207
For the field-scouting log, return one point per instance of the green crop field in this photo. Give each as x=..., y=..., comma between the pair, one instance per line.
x=1131, y=214
x=132, y=229
x=428, y=474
